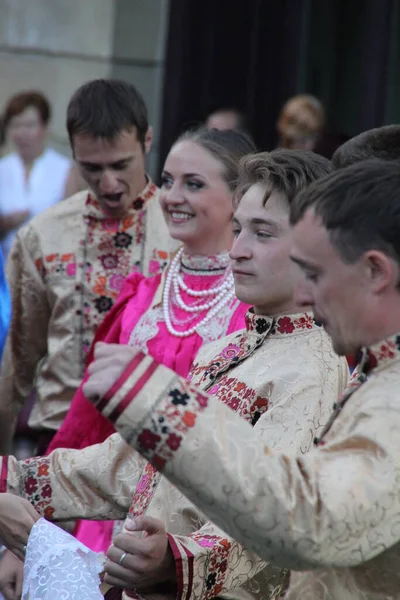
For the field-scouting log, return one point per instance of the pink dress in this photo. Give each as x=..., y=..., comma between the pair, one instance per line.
x=137, y=319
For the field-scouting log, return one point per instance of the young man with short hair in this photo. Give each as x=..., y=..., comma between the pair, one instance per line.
x=68, y=265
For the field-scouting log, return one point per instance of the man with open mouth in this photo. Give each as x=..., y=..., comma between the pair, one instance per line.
x=68, y=265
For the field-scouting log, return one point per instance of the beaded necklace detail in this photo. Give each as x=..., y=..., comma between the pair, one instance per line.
x=210, y=300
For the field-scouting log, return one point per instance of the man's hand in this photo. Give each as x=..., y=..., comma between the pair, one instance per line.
x=11, y=576
x=148, y=560
x=110, y=361
x=17, y=517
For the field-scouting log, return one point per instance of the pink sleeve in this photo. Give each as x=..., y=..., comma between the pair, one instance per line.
x=238, y=320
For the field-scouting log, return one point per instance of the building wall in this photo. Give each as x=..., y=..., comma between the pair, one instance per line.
x=140, y=28
x=57, y=45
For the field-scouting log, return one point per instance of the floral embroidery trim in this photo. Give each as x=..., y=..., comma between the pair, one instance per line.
x=145, y=489
x=94, y=208
x=217, y=563
x=111, y=250
x=377, y=356
x=381, y=354
x=63, y=265
x=283, y=325
x=162, y=432
x=37, y=485
x=243, y=345
x=241, y=398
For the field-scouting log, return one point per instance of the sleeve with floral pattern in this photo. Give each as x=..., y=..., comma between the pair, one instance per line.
x=334, y=506
x=95, y=483
x=209, y=562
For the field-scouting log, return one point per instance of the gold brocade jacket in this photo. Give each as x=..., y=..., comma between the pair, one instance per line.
x=331, y=516
x=65, y=270
x=280, y=375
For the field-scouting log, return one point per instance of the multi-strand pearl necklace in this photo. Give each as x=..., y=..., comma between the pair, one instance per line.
x=222, y=294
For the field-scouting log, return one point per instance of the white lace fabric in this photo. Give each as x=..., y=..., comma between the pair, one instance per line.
x=58, y=566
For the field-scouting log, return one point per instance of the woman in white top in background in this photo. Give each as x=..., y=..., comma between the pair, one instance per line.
x=33, y=177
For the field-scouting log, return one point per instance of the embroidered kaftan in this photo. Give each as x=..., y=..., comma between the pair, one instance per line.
x=65, y=271
x=332, y=513
x=280, y=375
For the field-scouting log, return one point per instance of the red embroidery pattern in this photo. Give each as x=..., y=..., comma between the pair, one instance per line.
x=228, y=358
x=240, y=398
x=61, y=265
x=375, y=356
x=287, y=325
x=172, y=419
x=144, y=490
x=243, y=345
x=111, y=243
x=37, y=485
x=379, y=353
x=217, y=563
x=282, y=325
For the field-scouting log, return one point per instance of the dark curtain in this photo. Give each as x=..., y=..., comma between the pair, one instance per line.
x=254, y=54
x=241, y=53
x=347, y=59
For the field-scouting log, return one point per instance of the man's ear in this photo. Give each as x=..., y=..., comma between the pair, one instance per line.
x=382, y=271
x=148, y=140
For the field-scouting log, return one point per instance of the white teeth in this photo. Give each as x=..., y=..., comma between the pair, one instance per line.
x=181, y=216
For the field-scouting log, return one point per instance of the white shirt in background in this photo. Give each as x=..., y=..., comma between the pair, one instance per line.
x=44, y=187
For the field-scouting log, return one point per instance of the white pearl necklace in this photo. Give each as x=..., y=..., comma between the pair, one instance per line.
x=200, y=293
x=223, y=294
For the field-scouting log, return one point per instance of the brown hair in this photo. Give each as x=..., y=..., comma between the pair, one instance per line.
x=359, y=206
x=286, y=172
x=104, y=108
x=18, y=103
x=382, y=142
x=302, y=116
x=227, y=146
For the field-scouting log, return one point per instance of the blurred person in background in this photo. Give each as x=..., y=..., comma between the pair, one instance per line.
x=226, y=118
x=301, y=122
x=33, y=177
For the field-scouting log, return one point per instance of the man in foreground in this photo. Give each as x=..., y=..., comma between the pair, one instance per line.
x=332, y=514
x=280, y=374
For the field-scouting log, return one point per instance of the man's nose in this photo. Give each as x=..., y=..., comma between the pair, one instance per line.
x=108, y=182
x=240, y=248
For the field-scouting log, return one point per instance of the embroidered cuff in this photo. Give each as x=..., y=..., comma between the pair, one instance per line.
x=164, y=411
x=202, y=565
x=183, y=568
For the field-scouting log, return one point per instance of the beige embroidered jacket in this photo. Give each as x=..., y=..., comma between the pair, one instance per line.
x=279, y=375
x=65, y=270
x=332, y=513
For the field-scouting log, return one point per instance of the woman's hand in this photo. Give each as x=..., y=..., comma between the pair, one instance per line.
x=110, y=361
x=146, y=559
x=17, y=517
x=11, y=576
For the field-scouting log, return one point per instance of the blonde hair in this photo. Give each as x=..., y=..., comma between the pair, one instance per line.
x=302, y=116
